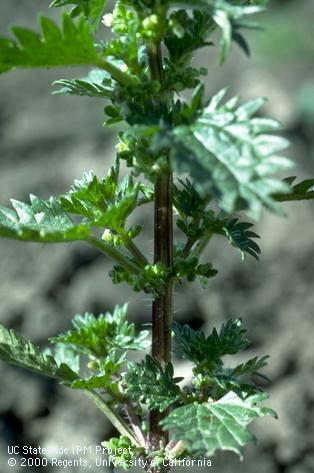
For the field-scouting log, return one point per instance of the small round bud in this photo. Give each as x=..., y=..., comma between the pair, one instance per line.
x=122, y=147
x=107, y=20
x=107, y=236
x=150, y=22
x=93, y=365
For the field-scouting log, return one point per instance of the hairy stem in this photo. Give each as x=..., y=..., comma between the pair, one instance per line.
x=135, y=424
x=116, y=73
x=111, y=415
x=201, y=245
x=134, y=250
x=177, y=449
x=163, y=253
x=188, y=246
x=115, y=254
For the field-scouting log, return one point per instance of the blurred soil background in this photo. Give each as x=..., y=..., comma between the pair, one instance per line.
x=46, y=142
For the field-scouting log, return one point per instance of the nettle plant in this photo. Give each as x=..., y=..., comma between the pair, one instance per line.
x=202, y=163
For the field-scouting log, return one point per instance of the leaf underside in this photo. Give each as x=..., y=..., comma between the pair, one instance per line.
x=41, y=221
x=230, y=155
x=96, y=84
x=220, y=425
x=16, y=350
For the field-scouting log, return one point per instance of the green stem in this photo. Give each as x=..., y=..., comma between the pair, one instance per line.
x=188, y=246
x=134, y=250
x=178, y=449
x=116, y=396
x=190, y=241
x=135, y=423
x=201, y=245
x=115, y=254
x=122, y=77
x=111, y=415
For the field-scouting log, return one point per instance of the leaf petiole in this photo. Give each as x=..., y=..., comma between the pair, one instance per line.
x=201, y=245
x=117, y=74
x=134, y=250
x=111, y=415
x=115, y=254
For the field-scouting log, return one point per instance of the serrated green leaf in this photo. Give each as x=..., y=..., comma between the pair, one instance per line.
x=228, y=158
x=187, y=201
x=187, y=33
x=241, y=42
x=42, y=221
x=221, y=425
x=206, y=352
x=226, y=15
x=302, y=191
x=104, y=203
x=189, y=268
x=149, y=383
x=70, y=45
x=93, y=382
x=121, y=451
x=90, y=9
x=96, y=84
x=146, y=194
x=240, y=235
x=64, y=354
x=303, y=186
x=234, y=10
x=108, y=368
x=97, y=336
x=198, y=222
x=239, y=379
x=250, y=367
x=16, y=350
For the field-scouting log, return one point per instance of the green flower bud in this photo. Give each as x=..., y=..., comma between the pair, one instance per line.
x=150, y=22
x=107, y=236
